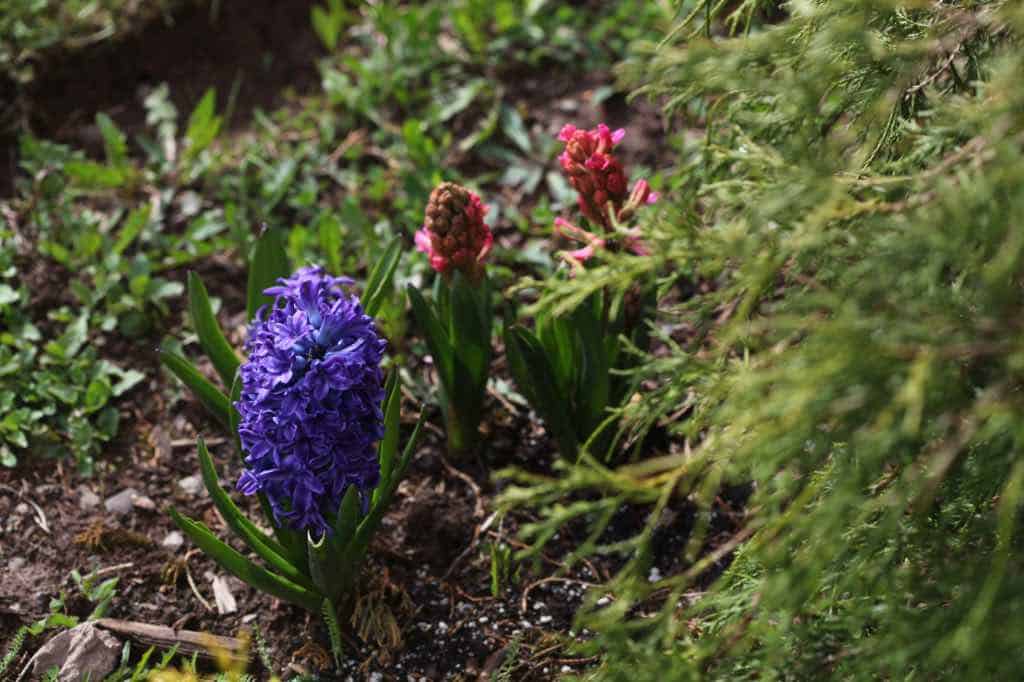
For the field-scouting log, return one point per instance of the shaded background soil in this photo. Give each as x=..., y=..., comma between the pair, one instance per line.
x=254, y=52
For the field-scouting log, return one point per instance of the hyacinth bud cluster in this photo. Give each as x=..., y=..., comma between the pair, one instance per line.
x=595, y=174
x=600, y=183
x=454, y=234
x=311, y=397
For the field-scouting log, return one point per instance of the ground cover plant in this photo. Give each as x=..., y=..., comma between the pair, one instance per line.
x=717, y=381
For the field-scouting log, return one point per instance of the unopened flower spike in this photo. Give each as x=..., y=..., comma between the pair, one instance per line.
x=456, y=318
x=454, y=235
x=311, y=400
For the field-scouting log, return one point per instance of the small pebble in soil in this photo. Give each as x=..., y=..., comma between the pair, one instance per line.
x=143, y=502
x=16, y=564
x=191, y=485
x=545, y=619
x=173, y=541
x=87, y=499
x=22, y=509
x=120, y=503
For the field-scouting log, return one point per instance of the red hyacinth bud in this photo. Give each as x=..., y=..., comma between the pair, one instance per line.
x=454, y=234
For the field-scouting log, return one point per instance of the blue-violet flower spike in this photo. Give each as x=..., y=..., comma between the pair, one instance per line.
x=311, y=400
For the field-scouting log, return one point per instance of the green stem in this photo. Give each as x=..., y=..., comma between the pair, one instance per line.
x=463, y=434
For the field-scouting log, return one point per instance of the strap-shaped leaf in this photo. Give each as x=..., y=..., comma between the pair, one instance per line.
x=470, y=331
x=267, y=263
x=378, y=284
x=389, y=444
x=242, y=568
x=546, y=398
x=208, y=394
x=435, y=335
x=259, y=542
x=234, y=417
x=211, y=338
x=515, y=360
x=594, y=375
x=382, y=497
x=348, y=515
x=324, y=567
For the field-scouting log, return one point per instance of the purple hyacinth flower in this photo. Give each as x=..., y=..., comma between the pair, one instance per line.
x=311, y=399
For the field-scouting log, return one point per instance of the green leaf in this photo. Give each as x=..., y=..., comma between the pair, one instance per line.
x=460, y=99
x=275, y=189
x=594, y=384
x=8, y=295
x=259, y=542
x=207, y=394
x=348, y=515
x=92, y=175
x=485, y=130
x=535, y=379
x=329, y=231
x=382, y=497
x=470, y=330
x=389, y=445
x=72, y=340
x=267, y=264
x=211, y=338
x=97, y=394
x=234, y=417
x=378, y=284
x=203, y=125
x=131, y=229
x=115, y=145
x=514, y=128
x=435, y=335
x=246, y=570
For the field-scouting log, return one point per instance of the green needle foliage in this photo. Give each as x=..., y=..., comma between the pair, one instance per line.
x=846, y=258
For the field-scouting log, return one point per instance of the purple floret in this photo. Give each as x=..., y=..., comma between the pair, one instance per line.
x=311, y=399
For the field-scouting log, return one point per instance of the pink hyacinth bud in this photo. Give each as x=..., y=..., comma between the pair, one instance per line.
x=454, y=235
x=594, y=172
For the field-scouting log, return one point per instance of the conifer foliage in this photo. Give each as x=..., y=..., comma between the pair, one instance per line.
x=842, y=272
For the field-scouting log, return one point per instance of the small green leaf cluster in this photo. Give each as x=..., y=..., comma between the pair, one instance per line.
x=56, y=393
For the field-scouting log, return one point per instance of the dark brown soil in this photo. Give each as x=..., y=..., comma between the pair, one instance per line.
x=255, y=52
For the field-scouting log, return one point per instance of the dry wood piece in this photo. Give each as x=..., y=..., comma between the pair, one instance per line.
x=187, y=641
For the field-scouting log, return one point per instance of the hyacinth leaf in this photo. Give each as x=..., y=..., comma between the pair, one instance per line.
x=243, y=568
x=382, y=495
x=536, y=378
x=211, y=338
x=593, y=386
x=259, y=542
x=324, y=575
x=434, y=334
x=514, y=358
x=470, y=329
x=208, y=394
x=389, y=445
x=558, y=337
x=267, y=264
x=348, y=514
x=235, y=417
x=378, y=284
